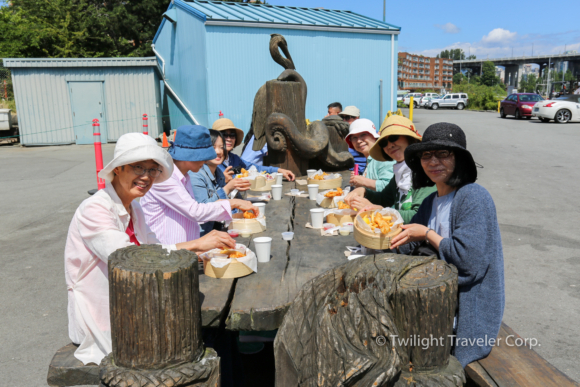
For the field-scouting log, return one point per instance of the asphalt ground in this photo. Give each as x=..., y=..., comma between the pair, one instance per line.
x=529, y=169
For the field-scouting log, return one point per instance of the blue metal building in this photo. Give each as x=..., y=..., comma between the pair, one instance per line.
x=214, y=57
x=57, y=99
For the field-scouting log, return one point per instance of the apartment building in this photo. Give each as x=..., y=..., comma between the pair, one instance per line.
x=421, y=72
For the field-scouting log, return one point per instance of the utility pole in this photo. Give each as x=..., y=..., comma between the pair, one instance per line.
x=532, y=49
x=384, y=10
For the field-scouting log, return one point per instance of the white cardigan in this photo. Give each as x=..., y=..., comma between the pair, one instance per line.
x=97, y=230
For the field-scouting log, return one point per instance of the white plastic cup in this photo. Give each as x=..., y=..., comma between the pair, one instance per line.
x=288, y=236
x=277, y=191
x=312, y=191
x=263, y=247
x=279, y=177
x=262, y=208
x=310, y=173
x=317, y=217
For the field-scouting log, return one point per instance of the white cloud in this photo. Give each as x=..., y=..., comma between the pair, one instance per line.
x=448, y=28
x=498, y=35
x=501, y=43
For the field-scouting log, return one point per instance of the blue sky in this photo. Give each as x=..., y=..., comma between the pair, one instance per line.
x=491, y=28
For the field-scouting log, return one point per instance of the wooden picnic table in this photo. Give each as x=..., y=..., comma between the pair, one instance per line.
x=259, y=301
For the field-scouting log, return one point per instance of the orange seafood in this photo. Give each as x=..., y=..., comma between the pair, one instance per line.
x=243, y=174
x=384, y=223
x=250, y=214
x=320, y=177
x=233, y=253
x=343, y=206
x=332, y=194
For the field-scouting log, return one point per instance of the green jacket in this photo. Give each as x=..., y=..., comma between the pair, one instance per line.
x=407, y=206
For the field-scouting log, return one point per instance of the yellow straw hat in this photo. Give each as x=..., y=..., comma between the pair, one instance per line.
x=225, y=124
x=393, y=125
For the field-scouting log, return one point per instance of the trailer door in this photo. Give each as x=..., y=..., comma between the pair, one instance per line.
x=87, y=103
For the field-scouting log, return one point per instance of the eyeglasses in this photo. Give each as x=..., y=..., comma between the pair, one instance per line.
x=346, y=118
x=440, y=154
x=392, y=138
x=230, y=135
x=140, y=171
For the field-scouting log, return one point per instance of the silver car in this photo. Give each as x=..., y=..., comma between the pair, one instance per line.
x=454, y=100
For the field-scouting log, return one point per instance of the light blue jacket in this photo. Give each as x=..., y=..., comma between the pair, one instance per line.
x=381, y=171
x=207, y=188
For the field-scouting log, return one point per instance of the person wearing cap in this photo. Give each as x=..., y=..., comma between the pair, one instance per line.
x=350, y=114
x=234, y=137
x=209, y=184
x=109, y=220
x=361, y=137
x=396, y=134
x=170, y=207
x=459, y=223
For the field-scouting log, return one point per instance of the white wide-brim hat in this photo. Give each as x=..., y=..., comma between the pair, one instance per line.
x=359, y=126
x=135, y=147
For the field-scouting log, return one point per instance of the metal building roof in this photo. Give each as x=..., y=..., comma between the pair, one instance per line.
x=80, y=62
x=228, y=13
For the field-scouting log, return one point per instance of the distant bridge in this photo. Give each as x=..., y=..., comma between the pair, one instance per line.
x=514, y=66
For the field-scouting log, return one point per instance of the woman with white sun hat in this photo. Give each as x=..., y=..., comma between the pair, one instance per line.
x=109, y=220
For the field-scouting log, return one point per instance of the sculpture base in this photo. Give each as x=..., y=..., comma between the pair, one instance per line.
x=204, y=373
x=450, y=376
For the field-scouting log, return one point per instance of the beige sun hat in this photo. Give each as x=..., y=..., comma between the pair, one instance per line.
x=135, y=147
x=352, y=111
x=225, y=124
x=393, y=125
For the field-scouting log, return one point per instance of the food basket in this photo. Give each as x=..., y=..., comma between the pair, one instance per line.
x=330, y=202
x=339, y=217
x=217, y=265
x=261, y=183
x=373, y=240
x=253, y=225
x=333, y=180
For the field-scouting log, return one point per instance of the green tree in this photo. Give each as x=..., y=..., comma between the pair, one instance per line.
x=488, y=77
x=458, y=78
x=455, y=54
x=79, y=28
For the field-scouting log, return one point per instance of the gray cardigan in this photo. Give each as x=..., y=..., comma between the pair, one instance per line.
x=475, y=248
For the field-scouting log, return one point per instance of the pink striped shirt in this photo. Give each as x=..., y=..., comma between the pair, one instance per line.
x=173, y=214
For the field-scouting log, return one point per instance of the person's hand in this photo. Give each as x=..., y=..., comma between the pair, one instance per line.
x=239, y=184
x=212, y=240
x=229, y=174
x=411, y=233
x=287, y=174
x=244, y=205
x=356, y=192
x=357, y=203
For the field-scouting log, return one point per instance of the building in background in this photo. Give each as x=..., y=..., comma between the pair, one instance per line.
x=420, y=72
x=57, y=99
x=215, y=56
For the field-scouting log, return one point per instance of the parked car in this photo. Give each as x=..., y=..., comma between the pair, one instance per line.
x=416, y=98
x=519, y=105
x=453, y=100
x=426, y=97
x=562, y=109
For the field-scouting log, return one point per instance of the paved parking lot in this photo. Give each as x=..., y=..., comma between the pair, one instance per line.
x=529, y=168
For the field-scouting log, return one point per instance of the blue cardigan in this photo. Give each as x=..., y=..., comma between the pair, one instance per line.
x=475, y=248
x=236, y=161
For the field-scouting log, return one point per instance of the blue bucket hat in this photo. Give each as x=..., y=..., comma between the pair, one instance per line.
x=192, y=143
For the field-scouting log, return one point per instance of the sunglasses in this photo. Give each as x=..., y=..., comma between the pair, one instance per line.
x=440, y=154
x=392, y=138
x=230, y=135
x=346, y=118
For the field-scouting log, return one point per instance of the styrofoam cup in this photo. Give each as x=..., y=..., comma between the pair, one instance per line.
x=312, y=191
x=316, y=217
x=277, y=191
x=262, y=208
x=279, y=177
x=310, y=173
x=263, y=246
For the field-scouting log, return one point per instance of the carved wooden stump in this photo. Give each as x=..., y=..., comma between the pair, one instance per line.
x=156, y=321
x=342, y=327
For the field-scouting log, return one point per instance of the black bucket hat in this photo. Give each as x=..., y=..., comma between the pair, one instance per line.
x=442, y=135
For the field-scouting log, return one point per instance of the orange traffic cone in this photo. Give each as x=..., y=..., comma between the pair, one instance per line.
x=165, y=144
